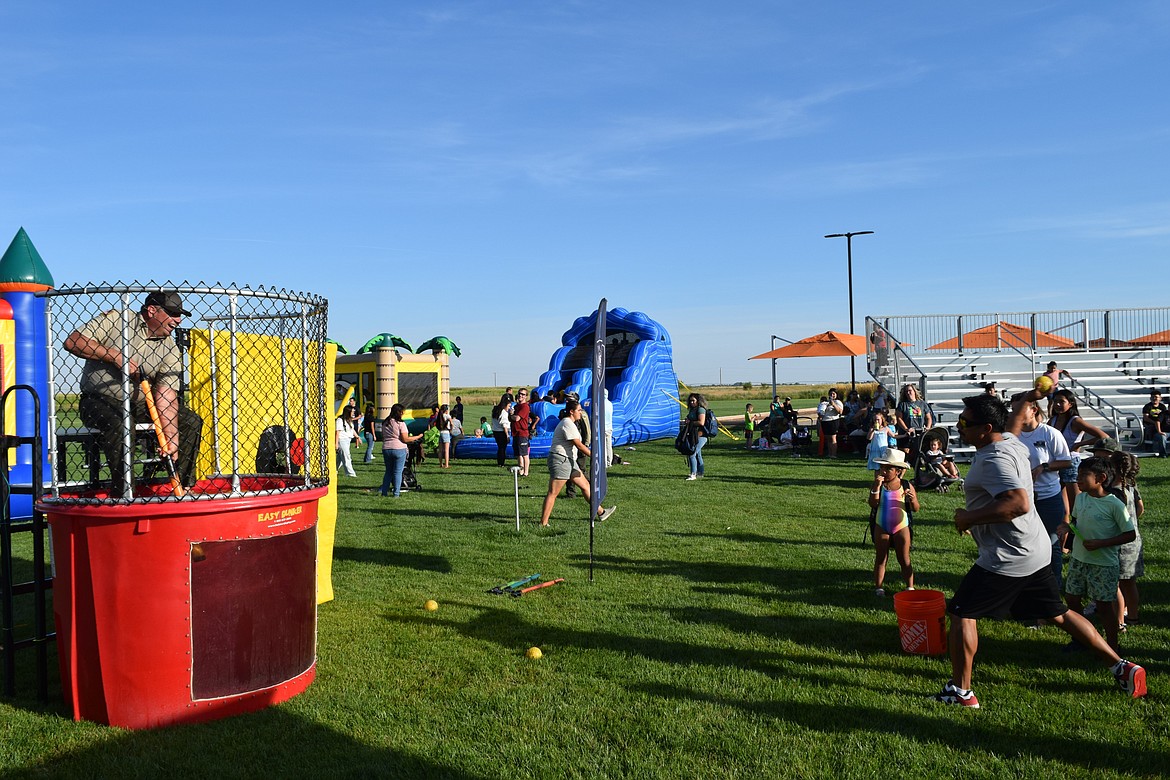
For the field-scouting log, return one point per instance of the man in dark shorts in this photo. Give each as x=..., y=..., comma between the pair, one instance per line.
x=521, y=419
x=1012, y=577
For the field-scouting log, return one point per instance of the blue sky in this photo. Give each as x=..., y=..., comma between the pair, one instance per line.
x=489, y=170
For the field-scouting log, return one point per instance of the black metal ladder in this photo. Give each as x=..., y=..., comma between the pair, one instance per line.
x=38, y=587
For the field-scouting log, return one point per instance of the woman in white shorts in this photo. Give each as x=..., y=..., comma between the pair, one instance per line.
x=562, y=462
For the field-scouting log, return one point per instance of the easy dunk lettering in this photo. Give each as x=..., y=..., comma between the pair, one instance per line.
x=280, y=516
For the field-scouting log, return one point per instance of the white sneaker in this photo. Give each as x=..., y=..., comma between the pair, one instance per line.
x=606, y=514
x=691, y=478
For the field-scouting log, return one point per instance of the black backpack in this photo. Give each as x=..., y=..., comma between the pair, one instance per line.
x=711, y=425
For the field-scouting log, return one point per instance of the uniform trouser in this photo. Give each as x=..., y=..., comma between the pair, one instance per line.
x=105, y=417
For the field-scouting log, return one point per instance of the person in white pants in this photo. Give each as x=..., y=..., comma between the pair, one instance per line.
x=344, y=440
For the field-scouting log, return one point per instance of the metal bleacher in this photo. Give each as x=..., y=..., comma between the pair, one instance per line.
x=1114, y=357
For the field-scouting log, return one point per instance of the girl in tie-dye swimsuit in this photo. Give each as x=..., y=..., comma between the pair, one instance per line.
x=892, y=502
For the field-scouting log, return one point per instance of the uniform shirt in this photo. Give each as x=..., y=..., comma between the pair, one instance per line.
x=158, y=357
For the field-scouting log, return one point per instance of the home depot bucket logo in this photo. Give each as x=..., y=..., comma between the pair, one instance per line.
x=913, y=635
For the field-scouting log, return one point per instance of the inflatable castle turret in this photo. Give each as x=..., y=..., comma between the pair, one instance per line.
x=24, y=355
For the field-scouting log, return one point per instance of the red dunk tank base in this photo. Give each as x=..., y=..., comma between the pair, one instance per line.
x=185, y=611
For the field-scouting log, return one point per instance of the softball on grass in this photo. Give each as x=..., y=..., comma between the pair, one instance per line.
x=431, y=605
x=1043, y=384
x=534, y=653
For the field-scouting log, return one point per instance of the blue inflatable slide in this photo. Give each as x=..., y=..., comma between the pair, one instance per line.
x=639, y=377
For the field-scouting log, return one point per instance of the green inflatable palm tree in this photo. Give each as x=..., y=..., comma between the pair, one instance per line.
x=439, y=344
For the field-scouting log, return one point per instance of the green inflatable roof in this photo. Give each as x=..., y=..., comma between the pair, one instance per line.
x=22, y=268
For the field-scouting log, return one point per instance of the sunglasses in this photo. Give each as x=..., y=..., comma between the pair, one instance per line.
x=963, y=424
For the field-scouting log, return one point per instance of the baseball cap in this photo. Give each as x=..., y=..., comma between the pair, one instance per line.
x=1108, y=444
x=171, y=302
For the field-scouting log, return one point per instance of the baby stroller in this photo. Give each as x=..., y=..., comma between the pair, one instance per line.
x=801, y=437
x=929, y=473
x=413, y=455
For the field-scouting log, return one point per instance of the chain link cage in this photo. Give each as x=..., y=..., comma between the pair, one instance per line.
x=242, y=387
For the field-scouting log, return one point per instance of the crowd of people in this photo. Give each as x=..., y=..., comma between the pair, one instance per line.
x=1016, y=572
x=512, y=420
x=1025, y=521
x=1046, y=489
x=1031, y=501
x=1029, y=497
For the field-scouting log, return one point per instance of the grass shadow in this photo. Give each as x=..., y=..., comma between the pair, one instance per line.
x=952, y=727
x=416, y=561
x=277, y=743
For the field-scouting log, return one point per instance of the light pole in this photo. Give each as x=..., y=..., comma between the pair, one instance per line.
x=849, y=255
x=773, y=398
x=774, y=340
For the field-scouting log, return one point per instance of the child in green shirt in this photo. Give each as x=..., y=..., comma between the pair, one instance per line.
x=1102, y=526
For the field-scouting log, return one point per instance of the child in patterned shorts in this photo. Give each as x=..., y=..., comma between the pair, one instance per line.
x=1101, y=525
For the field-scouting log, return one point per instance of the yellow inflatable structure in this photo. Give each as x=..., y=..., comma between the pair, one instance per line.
x=266, y=392
x=386, y=377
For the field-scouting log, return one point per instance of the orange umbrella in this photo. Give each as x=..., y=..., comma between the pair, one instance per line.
x=1004, y=334
x=1102, y=344
x=1161, y=338
x=827, y=344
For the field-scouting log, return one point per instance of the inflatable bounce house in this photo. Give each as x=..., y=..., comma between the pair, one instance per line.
x=385, y=371
x=22, y=358
x=639, y=377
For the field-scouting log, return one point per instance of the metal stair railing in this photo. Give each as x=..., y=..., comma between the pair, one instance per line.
x=1108, y=411
x=41, y=582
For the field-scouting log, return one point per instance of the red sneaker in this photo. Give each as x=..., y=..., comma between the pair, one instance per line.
x=951, y=694
x=1131, y=678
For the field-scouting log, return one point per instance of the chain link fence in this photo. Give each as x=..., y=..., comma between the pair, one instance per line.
x=236, y=378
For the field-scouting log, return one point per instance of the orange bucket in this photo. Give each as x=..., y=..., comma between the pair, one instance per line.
x=922, y=621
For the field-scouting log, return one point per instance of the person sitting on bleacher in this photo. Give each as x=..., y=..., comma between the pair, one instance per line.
x=1154, y=416
x=154, y=356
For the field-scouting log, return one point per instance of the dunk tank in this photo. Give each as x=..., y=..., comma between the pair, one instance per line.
x=190, y=597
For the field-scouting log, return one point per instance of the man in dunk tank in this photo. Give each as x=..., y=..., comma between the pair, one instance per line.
x=145, y=349
x=194, y=599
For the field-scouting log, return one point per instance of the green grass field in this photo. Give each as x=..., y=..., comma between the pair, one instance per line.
x=730, y=631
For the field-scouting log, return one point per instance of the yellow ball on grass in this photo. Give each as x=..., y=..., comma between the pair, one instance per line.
x=431, y=605
x=534, y=653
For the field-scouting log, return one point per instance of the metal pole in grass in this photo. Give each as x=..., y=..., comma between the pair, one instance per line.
x=597, y=464
x=772, y=348
x=516, y=485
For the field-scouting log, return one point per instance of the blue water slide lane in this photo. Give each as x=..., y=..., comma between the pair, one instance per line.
x=640, y=367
